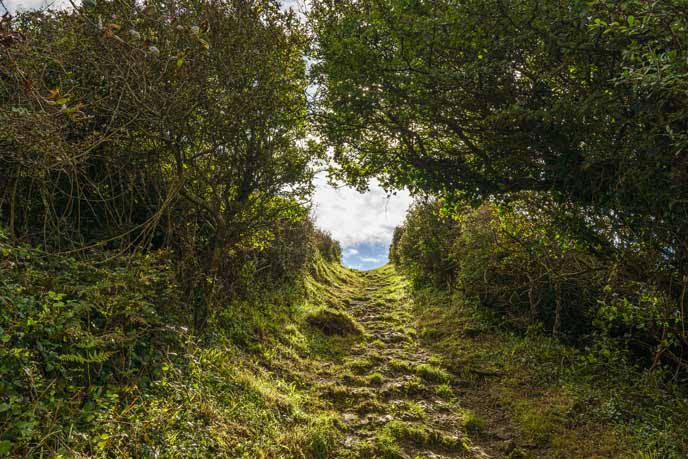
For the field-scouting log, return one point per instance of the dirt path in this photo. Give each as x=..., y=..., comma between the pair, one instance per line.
x=395, y=399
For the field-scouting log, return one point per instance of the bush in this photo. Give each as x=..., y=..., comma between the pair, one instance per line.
x=74, y=336
x=516, y=260
x=110, y=138
x=327, y=246
x=423, y=247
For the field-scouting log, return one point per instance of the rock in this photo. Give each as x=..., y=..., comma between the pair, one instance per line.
x=385, y=419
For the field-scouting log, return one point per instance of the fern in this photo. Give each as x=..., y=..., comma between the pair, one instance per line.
x=90, y=357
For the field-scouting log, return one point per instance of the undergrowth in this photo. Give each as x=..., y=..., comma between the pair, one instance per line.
x=567, y=402
x=97, y=360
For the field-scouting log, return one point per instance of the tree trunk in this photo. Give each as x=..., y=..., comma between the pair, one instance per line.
x=557, y=312
x=534, y=313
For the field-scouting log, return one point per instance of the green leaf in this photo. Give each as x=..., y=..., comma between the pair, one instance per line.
x=5, y=446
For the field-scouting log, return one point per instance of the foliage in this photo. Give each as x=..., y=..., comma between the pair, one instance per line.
x=78, y=340
x=329, y=248
x=97, y=359
x=514, y=259
x=564, y=401
x=164, y=124
x=578, y=103
x=484, y=98
x=333, y=322
x=423, y=245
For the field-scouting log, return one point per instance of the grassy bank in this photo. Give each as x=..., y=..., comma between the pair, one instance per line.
x=545, y=399
x=97, y=360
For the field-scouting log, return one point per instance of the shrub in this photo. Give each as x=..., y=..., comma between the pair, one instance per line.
x=110, y=137
x=516, y=259
x=327, y=246
x=74, y=336
x=423, y=246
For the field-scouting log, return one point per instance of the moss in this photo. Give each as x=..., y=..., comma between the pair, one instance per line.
x=384, y=447
x=400, y=365
x=444, y=391
x=432, y=373
x=333, y=322
x=473, y=423
x=376, y=379
x=361, y=365
x=413, y=386
x=421, y=435
x=416, y=410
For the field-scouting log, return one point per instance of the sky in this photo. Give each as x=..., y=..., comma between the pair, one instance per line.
x=362, y=222
x=13, y=5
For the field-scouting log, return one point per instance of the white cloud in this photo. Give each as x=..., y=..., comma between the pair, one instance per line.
x=371, y=259
x=354, y=217
x=350, y=252
x=14, y=5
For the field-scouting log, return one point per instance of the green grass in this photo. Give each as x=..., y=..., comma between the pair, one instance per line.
x=376, y=379
x=473, y=423
x=568, y=402
x=333, y=322
x=444, y=391
x=432, y=373
x=273, y=381
x=97, y=360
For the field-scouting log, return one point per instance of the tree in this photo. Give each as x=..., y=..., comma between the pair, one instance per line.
x=473, y=99
x=172, y=123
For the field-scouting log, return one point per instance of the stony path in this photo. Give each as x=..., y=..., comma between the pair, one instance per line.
x=395, y=399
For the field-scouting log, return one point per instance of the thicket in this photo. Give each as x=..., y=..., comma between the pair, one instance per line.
x=513, y=259
x=131, y=126
x=566, y=120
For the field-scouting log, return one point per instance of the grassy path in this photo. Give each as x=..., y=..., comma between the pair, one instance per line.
x=422, y=378
x=393, y=395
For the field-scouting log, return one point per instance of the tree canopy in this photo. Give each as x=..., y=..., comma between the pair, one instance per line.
x=477, y=99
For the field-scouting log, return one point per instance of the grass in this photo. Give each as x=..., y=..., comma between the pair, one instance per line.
x=432, y=373
x=565, y=402
x=444, y=391
x=376, y=379
x=400, y=365
x=333, y=322
x=421, y=435
x=473, y=423
x=273, y=382
x=97, y=360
